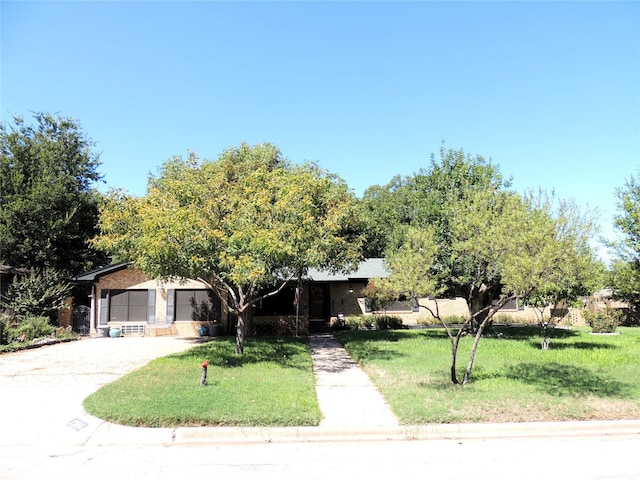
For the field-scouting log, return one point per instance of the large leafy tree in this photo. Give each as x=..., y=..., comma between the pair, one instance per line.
x=433, y=198
x=507, y=244
x=246, y=224
x=48, y=208
x=625, y=272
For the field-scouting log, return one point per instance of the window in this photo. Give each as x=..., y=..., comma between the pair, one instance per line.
x=197, y=305
x=128, y=306
x=280, y=304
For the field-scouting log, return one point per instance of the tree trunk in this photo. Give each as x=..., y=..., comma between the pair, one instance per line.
x=454, y=355
x=477, y=304
x=545, y=338
x=472, y=355
x=240, y=333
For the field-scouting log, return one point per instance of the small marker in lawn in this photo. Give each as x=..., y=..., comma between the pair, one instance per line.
x=203, y=377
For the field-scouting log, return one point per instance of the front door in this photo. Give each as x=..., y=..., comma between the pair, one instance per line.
x=319, y=302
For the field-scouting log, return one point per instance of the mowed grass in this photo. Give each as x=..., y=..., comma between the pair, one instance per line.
x=272, y=384
x=580, y=377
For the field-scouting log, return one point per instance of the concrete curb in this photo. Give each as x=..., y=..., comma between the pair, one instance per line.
x=109, y=434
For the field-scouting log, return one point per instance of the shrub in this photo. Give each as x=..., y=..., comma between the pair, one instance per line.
x=603, y=321
x=38, y=294
x=388, y=322
x=360, y=322
x=5, y=329
x=35, y=327
x=369, y=322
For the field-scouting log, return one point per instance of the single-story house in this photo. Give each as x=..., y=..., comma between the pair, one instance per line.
x=125, y=298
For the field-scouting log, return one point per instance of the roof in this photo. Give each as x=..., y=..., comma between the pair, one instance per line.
x=93, y=275
x=368, y=268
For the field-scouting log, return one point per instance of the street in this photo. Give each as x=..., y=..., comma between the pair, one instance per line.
x=540, y=458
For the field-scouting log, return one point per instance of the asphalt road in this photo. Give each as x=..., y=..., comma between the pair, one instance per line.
x=497, y=459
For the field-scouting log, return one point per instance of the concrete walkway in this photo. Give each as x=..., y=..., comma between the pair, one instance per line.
x=346, y=396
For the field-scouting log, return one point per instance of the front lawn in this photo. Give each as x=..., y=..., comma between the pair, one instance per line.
x=580, y=377
x=272, y=384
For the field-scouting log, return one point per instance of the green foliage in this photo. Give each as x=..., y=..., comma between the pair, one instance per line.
x=470, y=236
x=6, y=331
x=35, y=327
x=605, y=320
x=427, y=198
x=16, y=336
x=428, y=319
x=625, y=272
x=359, y=322
x=388, y=322
x=37, y=294
x=48, y=211
x=246, y=223
x=374, y=322
x=379, y=293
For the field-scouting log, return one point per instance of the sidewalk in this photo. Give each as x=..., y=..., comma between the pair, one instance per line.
x=346, y=396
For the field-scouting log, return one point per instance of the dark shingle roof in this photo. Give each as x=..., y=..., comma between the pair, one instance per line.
x=93, y=275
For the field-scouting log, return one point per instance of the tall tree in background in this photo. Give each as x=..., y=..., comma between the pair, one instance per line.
x=432, y=198
x=625, y=271
x=48, y=209
x=246, y=224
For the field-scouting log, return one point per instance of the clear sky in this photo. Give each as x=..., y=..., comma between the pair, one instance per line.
x=549, y=91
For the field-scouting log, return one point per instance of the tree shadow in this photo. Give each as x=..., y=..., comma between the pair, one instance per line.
x=577, y=345
x=567, y=380
x=529, y=332
x=221, y=352
x=367, y=345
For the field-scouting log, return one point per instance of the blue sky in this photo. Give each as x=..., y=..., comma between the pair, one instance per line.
x=549, y=91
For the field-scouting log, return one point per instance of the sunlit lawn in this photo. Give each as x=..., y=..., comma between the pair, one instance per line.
x=272, y=384
x=580, y=377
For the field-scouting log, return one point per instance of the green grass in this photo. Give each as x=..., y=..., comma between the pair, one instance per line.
x=580, y=377
x=272, y=384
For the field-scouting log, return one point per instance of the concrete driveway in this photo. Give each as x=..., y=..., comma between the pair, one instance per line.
x=41, y=390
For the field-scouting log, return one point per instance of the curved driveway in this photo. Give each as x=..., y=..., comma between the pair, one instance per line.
x=42, y=389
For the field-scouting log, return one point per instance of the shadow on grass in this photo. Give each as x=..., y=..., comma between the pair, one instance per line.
x=366, y=345
x=531, y=332
x=567, y=380
x=577, y=345
x=221, y=352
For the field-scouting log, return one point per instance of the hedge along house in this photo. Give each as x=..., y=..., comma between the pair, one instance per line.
x=123, y=297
